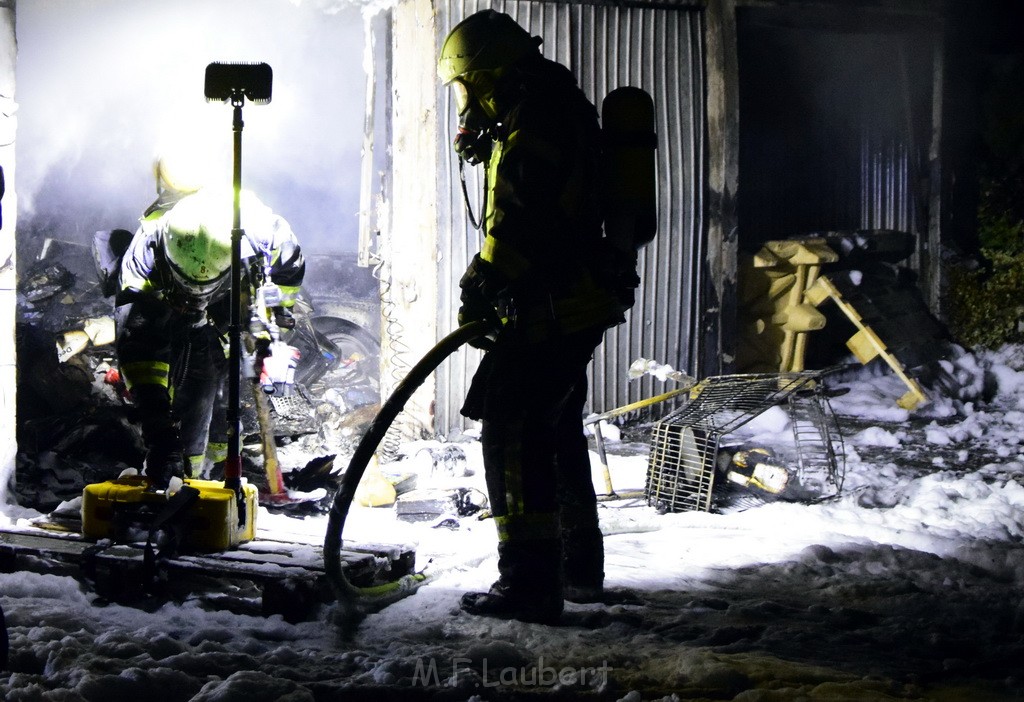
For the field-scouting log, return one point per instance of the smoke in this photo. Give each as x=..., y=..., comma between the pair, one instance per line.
x=104, y=86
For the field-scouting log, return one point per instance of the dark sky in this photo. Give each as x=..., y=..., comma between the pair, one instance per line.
x=104, y=85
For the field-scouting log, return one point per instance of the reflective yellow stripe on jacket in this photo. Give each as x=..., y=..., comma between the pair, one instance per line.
x=146, y=373
x=288, y=294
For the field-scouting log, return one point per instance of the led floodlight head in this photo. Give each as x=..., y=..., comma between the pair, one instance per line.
x=226, y=81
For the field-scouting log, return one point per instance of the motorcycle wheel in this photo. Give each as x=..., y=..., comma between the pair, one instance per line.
x=358, y=350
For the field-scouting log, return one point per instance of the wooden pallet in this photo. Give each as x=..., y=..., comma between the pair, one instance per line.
x=264, y=575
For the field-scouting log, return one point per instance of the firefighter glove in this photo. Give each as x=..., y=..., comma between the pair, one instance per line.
x=475, y=308
x=482, y=285
x=283, y=318
x=483, y=279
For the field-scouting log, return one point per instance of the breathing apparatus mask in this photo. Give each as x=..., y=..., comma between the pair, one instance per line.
x=474, y=140
x=474, y=57
x=198, y=291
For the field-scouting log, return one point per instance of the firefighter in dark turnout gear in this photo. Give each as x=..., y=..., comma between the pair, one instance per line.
x=538, y=279
x=172, y=313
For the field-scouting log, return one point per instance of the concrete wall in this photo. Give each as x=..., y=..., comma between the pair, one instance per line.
x=408, y=234
x=8, y=54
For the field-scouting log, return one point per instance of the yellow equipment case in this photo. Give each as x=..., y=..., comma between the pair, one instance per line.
x=211, y=524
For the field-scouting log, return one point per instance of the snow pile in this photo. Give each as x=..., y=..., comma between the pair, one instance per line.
x=906, y=586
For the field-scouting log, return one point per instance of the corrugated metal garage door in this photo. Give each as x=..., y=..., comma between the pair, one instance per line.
x=660, y=50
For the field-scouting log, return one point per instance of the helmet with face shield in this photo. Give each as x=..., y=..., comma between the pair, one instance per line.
x=196, y=242
x=475, y=55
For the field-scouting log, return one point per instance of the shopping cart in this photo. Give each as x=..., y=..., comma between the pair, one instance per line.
x=685, y=443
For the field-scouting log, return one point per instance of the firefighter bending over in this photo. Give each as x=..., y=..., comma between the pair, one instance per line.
x=172, y=313
x=540, y=279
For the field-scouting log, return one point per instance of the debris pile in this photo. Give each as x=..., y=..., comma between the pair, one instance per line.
x=76, y=420
x=74, y=423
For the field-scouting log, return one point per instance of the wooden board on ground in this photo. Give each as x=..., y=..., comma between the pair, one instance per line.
x=288, y=577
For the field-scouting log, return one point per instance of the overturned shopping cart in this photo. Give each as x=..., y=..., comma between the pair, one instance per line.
x=684, y=454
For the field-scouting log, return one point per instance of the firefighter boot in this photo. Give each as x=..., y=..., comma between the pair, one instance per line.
x=163, y=463
x=161, y=432
x=529, y=587
x=583, y=564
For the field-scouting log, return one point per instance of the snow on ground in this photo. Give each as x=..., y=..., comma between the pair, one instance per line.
x=907, y=586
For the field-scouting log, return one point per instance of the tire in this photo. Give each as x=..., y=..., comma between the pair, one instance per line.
x=353, y=342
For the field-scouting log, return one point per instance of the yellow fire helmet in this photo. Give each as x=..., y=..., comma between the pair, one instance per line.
x=484, y=41
x=183, y=170
x=196, y=241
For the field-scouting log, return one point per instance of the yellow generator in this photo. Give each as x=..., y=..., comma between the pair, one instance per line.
x=212, y=522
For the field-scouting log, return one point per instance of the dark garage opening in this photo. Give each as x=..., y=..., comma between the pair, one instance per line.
x=835, y=123
x=835, y=141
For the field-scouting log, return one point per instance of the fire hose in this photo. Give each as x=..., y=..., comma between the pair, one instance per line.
x=347, y=594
